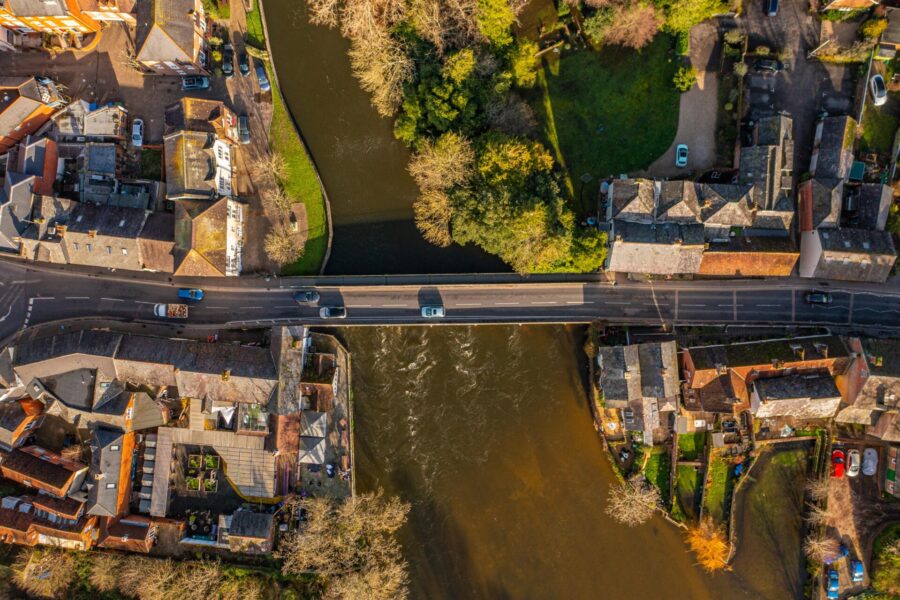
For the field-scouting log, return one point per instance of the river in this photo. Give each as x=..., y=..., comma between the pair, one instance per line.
x=362, y=165
x=487, y=432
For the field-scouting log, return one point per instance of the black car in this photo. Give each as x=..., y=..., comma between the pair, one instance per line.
x=818, y=297
x=243, y=64
x=768, y=65
x=228, y=60
x=307, y=297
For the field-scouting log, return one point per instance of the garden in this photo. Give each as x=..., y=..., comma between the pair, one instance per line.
x=688, y=482
x=720, y=482
x=608, y=112
x=202, y=474
x=691, y=445
x=657, y=467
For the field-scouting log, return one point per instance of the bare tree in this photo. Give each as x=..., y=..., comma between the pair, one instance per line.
x=129, y=60
x=383, y=67
x=819, y=515
x=443, y=164
x=282, y=245
x=44, y=572
x=818, y=547
x=632, y=503
x=271, y=165
x=278, y=199
x=432, y=212
x=818, y=488
x=105, y=571
x=448, y=24
x=198, y=580
x=350, y=546
x=634, y=25
x=512, y=116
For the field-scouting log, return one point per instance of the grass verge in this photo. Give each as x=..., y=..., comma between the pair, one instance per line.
x=256, y=36
x=608, y=112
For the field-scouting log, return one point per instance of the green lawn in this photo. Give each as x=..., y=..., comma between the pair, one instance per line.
x=301, y=183
x=878, y=129
x=690, y=445
x=687, y=491
x=657, y=471
x=255, y=35
x=721, y=481
x=608, y=112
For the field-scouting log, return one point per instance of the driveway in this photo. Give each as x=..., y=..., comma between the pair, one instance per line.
x=805, y=87
x=697, y=110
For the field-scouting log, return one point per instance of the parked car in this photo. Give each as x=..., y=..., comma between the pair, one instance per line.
x=772, y=8
x=857, y=572
x=878, y=90
x=333, y=312
x=837, y=463
x=137, y=133
x=243, y=64
x=264, y=85
x=681, y=156
x=192, y=294
x=768, y=65
x=196, y=82
x=870, y=461
x=307, y=297
x=818, y=297
x=244, y=129
x=853, y=463
x=834, y=585
x=434, y=311
x=228, y=60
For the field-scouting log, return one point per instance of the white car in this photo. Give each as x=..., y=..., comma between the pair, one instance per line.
x=137, y=133
x=878, y=90
x=433, y=312
x=853, y=463
x=870, y=461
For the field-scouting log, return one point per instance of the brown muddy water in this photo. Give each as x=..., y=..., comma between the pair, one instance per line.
x=487, y=432
x=362, y=165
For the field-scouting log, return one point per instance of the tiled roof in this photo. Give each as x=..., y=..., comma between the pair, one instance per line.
x=54, y=474
x=664, y=248
x=165, y=30
x=633, y=199
x=747, y=354
x=678, y=202
x=201, y=238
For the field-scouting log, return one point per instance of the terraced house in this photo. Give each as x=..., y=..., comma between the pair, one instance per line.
x=170, y=37
x=46, y=16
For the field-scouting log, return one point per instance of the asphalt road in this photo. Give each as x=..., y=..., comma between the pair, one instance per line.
x=31, y=294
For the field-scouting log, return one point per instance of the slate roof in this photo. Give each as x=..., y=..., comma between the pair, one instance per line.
x=663, y=248
x=190, y=165
x=827, y=197
x=678, y=202
x=106, y=466
x=11, y=416
x=873, y=204
x=633, y=199
x=110, y=221
x=857, y=241
x=726, y=204
x=194, y=114
x=30, y=466
x=797, y=386
x=19, y=97
x=834, y=154
x=629, y=373
x=16, y=201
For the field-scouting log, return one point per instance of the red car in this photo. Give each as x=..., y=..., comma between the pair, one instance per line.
x=837, y=463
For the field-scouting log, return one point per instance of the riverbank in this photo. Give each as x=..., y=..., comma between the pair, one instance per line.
x=301, y=181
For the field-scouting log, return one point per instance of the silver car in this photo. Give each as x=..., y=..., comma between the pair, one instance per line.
x=870, y=461
x=853, y=463
x=333, y=312
x=878, y=89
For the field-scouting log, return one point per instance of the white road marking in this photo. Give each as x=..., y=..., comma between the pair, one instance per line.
x=78, y=297
x=699, y=305
x=468, y=304
x=359, y=306
x=575, y=302
x=395, y=305
x=506, y=303
x=113, y=299
x=287, y=306
x=770, y=306
x=3, y=318
x=654, y=304
x=250, y=307
x=544, y=302
x=143, y=302
x=625, y=303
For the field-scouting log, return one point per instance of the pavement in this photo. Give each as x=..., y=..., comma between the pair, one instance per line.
x=37, y=294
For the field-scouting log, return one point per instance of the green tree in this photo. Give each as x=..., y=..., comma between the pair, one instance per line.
x=681, y=15
x=495, y=21
x=887, y=569
x=525, y=63
x=597, y=25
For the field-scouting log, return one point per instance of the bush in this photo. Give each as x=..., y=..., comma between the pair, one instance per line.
x=873, y=28
x=683, y=43
x=740, y=69
x=685, y=78
x=734, y=37
x=762, y=50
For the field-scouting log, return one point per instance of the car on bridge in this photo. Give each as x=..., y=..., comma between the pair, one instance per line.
x=333, y=312
x=306, y=297
x=818, y=297
x=190, y=294
x=433, y=311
